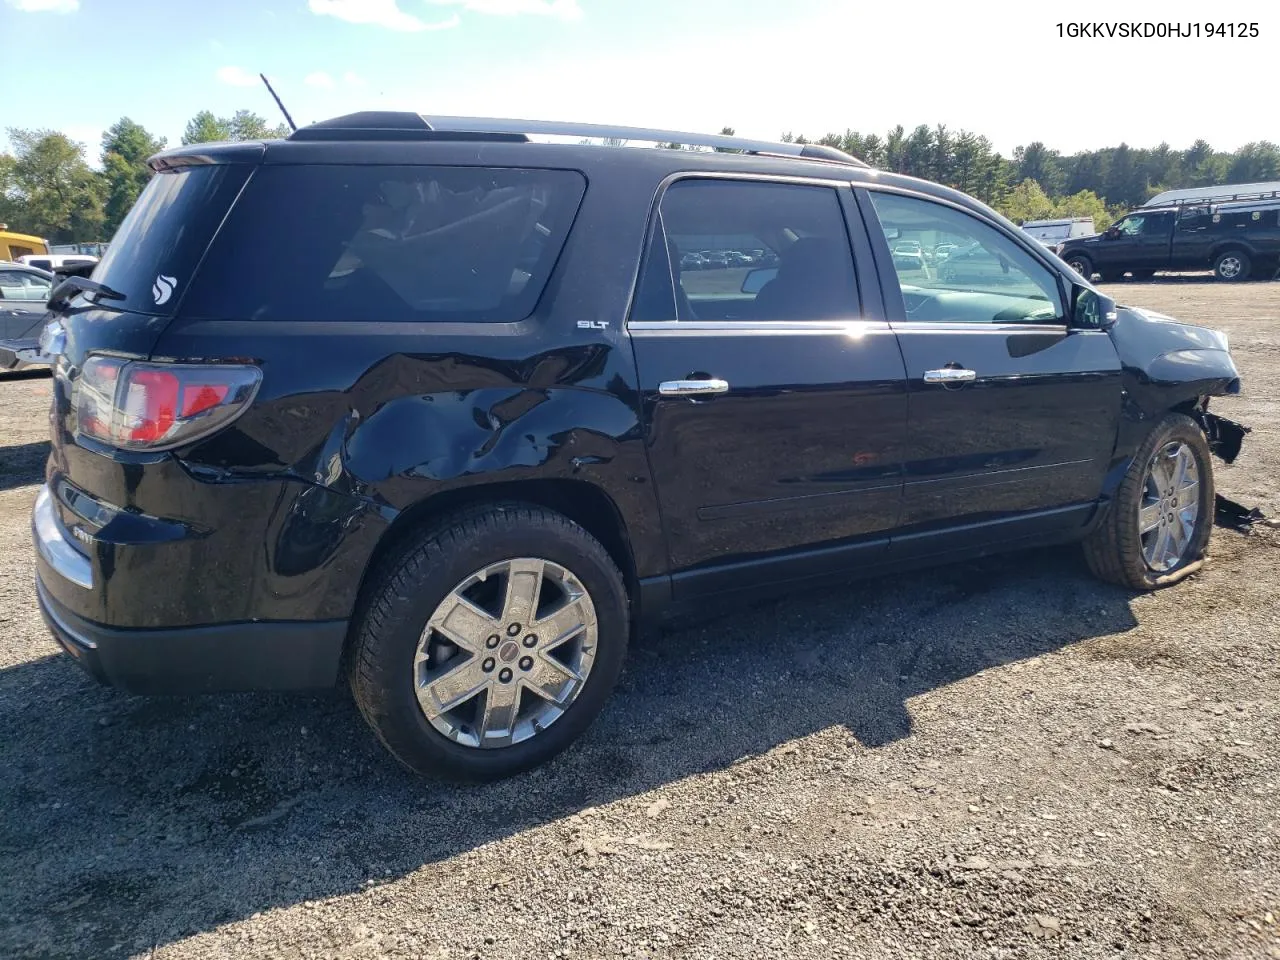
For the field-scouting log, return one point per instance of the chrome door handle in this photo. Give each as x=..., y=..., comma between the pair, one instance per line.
x=692, y=388
x=949, y=375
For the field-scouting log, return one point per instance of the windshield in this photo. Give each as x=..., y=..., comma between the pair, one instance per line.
x=156, y=250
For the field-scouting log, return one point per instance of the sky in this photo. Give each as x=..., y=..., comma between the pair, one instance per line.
x=761, y=66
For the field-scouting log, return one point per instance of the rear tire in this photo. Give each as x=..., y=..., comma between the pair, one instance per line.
x=1118, y=550
x=1232, y=266
x=398, y=685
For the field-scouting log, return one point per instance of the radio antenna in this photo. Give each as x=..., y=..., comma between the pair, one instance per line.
x=271, y=90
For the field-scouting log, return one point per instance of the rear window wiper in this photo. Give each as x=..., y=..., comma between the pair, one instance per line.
x=68, y=288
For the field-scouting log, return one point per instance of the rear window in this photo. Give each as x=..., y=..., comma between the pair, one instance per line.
x=159, y=245
x=384, y=243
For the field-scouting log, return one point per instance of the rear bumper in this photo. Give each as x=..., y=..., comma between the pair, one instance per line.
x=222, y=658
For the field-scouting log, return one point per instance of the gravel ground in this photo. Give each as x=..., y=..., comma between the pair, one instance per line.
x=1001, y=759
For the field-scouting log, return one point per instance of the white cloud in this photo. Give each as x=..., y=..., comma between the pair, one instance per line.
x=237, y=77
x=560, y=9
x=319, y=79
x=382, y=13
x=45, y=6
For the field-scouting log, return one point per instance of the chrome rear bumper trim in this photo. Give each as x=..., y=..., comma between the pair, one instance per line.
x=57, y=551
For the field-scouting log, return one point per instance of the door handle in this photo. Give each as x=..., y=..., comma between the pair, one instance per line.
x=949, y=375
x=692, y=388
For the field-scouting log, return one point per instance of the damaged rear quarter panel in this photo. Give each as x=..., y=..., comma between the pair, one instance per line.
x=397, y=425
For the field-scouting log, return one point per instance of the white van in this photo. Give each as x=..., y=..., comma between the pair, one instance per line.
x=1053, y=233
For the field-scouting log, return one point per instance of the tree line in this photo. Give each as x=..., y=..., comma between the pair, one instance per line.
x=48, y=188
x=1038, y=183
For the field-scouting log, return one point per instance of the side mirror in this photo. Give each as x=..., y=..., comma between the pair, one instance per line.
x=892, y=233
x=1111, y=233
x=1090, y=310
x=756, y=279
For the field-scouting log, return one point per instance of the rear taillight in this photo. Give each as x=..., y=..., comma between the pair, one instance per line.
x=159, y=406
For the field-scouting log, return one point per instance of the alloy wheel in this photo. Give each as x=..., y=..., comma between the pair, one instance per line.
x=506, y=653
x=1170, y=506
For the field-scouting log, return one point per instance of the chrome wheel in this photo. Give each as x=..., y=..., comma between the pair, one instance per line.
x=1229, y=267
x=1079, y=267
x=505, y=653
x=1170, y=506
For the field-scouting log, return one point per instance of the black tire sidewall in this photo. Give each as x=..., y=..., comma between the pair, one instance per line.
x=502, y=535
x=1181, y=428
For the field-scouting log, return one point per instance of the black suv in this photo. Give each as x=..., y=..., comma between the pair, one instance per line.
x=422, y=403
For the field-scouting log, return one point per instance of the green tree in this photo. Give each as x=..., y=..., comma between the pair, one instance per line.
x=1036, y=162
x=1027, y=201
x=9, y=210
x=54, y=192
x=1086, y=203
x=1254, y=162
x=204, y=127
x=247, y=125
x=125, y=149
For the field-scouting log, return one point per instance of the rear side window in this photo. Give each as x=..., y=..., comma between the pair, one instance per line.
x=746, y=251
x=160, y=243
x=383, y=243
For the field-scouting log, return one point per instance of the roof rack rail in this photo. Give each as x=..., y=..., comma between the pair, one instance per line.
x=402, y=125
x=556, y=128
x=1226, y=198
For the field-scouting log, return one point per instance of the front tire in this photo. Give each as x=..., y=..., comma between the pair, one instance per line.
x=1081, y=265
x=1232, y=266
x=1157, y=526
x=491, y=643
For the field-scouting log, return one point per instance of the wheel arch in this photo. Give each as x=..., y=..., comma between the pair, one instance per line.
x=583, y=502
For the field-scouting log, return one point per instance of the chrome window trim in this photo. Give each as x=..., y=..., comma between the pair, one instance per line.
x=757, y=328
x=960, y=326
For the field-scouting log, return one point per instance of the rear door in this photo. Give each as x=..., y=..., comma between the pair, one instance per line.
x=773, y=396
x=1012, y=417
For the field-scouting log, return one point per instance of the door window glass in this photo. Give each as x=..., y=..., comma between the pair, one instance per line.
x=753, y=251
x=953, y=267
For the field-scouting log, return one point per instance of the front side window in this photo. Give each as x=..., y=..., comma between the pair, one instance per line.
x=1131, y=226
x=953, y=267
x=383, y=243
x=750, y=251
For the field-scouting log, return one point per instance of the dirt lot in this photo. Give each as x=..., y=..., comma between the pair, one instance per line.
x=1003, y=759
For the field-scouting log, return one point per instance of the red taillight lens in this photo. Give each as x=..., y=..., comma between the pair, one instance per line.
x=150, y=405
x=153, y=406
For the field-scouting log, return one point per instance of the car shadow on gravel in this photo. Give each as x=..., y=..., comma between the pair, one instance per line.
x=137, y=822
x=22, y=464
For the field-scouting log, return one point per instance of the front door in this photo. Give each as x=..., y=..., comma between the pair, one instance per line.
x=773, y=390
x=1012, y=416
x=23, y=298
x=1140, y=241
